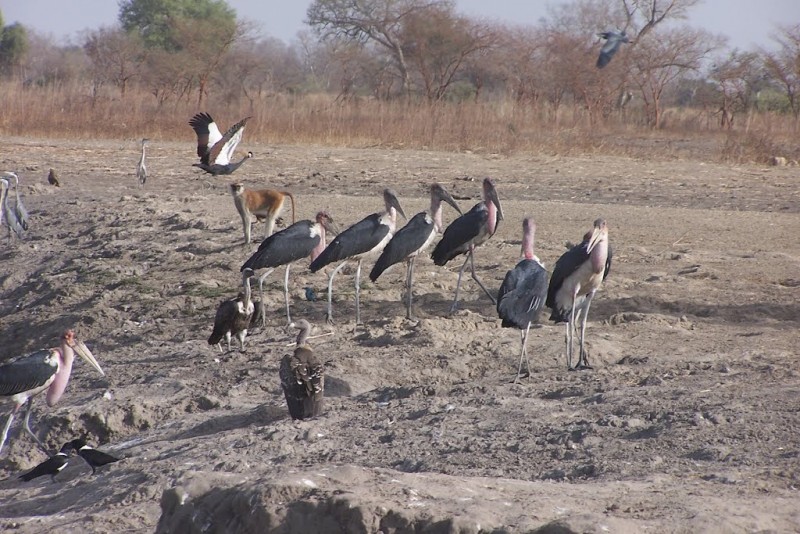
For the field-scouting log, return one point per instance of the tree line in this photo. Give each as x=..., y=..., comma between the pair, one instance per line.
x=421, y=52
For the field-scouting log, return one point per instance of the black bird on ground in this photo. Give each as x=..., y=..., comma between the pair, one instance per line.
x=303, y=377
x=52, y=466
x=577, y=276
x=90, y=455
x=52, y=178
x=523, y=292
x=368, y=236
x=467, y=232
x=614, y=40
x=414, y=238
x=233, y=316
x=214, y=148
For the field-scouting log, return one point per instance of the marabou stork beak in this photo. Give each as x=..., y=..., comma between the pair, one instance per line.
x=449, y=199
x=86, y=354
x=496, y=202
x=598, y=231
x=331, y=226
x=396, y=205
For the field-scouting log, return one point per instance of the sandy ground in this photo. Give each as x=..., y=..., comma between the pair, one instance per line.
x=690, y=421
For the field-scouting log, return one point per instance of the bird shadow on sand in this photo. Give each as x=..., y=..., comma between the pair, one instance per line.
x=262, y=415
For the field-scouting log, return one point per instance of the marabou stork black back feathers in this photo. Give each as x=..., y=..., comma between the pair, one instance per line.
x=408, y=238
x=522, y=294
x=27, y=372
x=343, y=247
x=456, y=238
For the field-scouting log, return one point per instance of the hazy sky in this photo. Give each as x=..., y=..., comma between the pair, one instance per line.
x=746, y=23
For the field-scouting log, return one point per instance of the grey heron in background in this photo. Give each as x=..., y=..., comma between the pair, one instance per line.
x=414, y=238
x=46, y=369
x=303, y=377
x=614, y=40
x=523, y=292
x=141, y=168
x=577, y=276
x=368, y=236
x=300, y=240
x=469, y=231
x=214, y=148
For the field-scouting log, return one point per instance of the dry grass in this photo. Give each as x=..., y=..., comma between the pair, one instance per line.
x=499, y=127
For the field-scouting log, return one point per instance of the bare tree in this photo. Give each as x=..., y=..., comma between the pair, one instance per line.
x=438, y=42
x=662, y=58
x=377, y=21
x=737, y=79
x=783, y=65
x=116, y=56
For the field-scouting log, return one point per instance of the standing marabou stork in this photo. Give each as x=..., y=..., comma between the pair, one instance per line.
x=52, y=466
x=302, y=377
x=467, y=232
x=46, y=369
x=7, y=213
x=233, y=316
x=302, y=239
x=523, y=292
x=368, y=236
x=215, y=149
x=141, y=168
x=577, y=275
x=413, y=238
x=52, y=178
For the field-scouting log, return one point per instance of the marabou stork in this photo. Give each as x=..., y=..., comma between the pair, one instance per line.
x=52, y=179
x=46, y=369
x=523, y=292
x=141, y=168
x=90, y=455
x=302, y=239
x=233, y=316
x=577, y=275
x=302, y=377
x=368, y=236
x=215, y=149
x=467, y=232
x=52, y=466
x=614, y=40
x=413, y=238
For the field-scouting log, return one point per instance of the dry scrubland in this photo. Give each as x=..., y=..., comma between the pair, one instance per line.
x=688, y=423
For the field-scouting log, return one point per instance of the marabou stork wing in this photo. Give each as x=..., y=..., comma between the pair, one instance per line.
x=568, y=263
x=460, y=233
x=222, y=151
x=405, y=242
x=28, y=372
x=608, y=263
x=286, y=246
x=522, y=294
x=358, y=239
x=207, y=134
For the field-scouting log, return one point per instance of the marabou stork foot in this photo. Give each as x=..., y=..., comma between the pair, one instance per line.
x=523, y=374
x=329, y=319
x=582, y=367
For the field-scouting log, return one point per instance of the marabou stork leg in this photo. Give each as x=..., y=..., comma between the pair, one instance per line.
x=261, y=296
x=286, y=294
x=475, y=277
x=570, y=337
x=7, y=427
x=583, y=359
x=358, y=292
x=524, y=354
x=458, y=283
x=329, y=315
x=27, y=425
x=228, y=340
x=409, y=285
